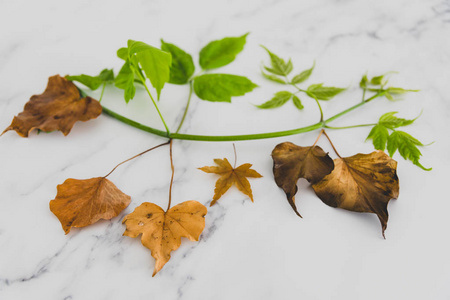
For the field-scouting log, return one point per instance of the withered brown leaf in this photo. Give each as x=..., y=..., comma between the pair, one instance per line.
x=79, y=203
x=230, y=176
x=361, y=183
x=292, y=162
x=58, y=108
x=162, y=231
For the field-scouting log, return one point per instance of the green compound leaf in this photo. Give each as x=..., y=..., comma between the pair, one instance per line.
x=406, y=146
x=182, y=64
x=221, y=87
x=94, y=82
x=303, y=76
x=278, y=65
x=273, y=78
x=322, y=92
x=220, y=53
x=125, y=81
x=155, y=63
x=379, y=136
x=297, y=102
x=279, y=99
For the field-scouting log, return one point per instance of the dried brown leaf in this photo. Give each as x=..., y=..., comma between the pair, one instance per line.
x=230, y=176
x=58, y=108
x=292, y=162
x=79, y=203
x=162, y=231
x=361, y=183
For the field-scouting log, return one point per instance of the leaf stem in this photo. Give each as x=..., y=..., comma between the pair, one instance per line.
x=137, y=155
x=348, y=127
x=235, y=156
x=379, y=94
x=187, y=107
x=103, y=91
x=331, y=143
x=154, y=103
x=312, y=96
x=171, y=178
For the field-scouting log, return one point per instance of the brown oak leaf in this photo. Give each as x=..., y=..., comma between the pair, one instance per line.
x=292, y=162
x=230, y=176
x=361, y=183
x=58, y=108
x=80, y=203
x=162, y=231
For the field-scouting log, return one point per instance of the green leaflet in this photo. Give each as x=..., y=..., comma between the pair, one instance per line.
x=94, y=82
x=221, y=52
x=273, y=78
x=379, y=136
x=407, y=147
x=279, y=99
x=377, y=80
x=221, y=87
x=297, y=102
x=155, y=63
x=182, y=64
x=303, y=76
x=389, y=120
x=322, y=92
x=278, y=65
x=125, y=81
x=364, y=82
x=122, y=53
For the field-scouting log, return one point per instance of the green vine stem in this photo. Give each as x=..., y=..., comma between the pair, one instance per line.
x=187, y=107
x=257, y=136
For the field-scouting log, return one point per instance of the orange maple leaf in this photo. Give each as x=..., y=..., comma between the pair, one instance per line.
x=230, y=176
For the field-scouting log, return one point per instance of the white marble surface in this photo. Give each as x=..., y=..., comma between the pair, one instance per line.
x=258, y=250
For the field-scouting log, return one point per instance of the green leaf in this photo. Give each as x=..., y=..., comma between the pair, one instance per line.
x=390, y=121
x=221, y=87
x=398, y=91
x=377, y=80
x=322, y=92
x=297, y=102
x=221, y=52
x=122, y=53
x=379, y=135
x=278, y=65
x=273, y=78
x=155, y=63
x=303, y=76
x=364, y=81
x=407, y=147
x=182, y=64
x=279, y=99
x=93, y=82
x=125, y=81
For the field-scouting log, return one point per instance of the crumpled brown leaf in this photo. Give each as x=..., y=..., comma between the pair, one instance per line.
x=79, y=203
x=361, y=183
x=58, y=108
x=292, y=162
x=230, y=176
x=162, y=231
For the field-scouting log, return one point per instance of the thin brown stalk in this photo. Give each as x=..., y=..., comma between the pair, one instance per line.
x=137, y=155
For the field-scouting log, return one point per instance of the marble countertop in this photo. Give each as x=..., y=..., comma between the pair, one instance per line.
x=259, y=250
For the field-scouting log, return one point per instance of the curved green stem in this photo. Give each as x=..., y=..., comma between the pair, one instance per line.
x=312, y=96
x=103, y=91
x=154, y=103
x=187, y=107
x=244, y=137
x=211, y=138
